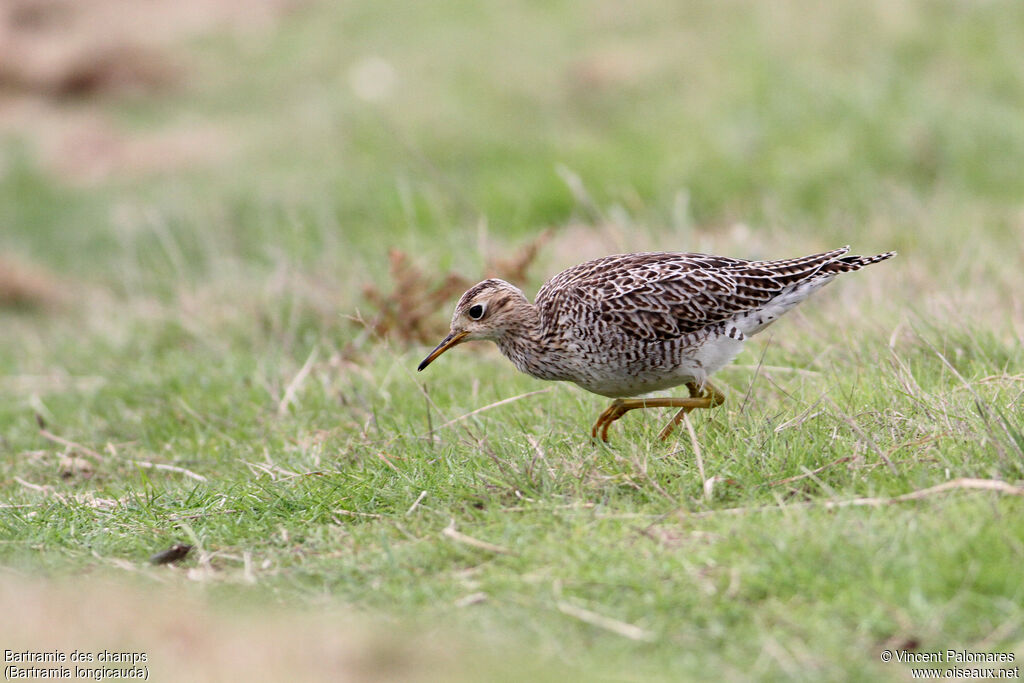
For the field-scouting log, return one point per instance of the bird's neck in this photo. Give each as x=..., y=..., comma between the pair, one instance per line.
x=522, y=342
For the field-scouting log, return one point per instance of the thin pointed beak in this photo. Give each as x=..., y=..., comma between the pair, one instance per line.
x=453, y=339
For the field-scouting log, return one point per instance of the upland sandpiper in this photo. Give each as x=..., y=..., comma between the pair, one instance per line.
x=626, y=325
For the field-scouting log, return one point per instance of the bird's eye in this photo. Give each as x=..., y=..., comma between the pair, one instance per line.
x=476, y=311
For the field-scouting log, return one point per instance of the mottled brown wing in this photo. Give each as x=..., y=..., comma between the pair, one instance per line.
x=661, y=296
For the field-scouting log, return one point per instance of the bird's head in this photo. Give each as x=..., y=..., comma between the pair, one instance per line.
x=486, y=311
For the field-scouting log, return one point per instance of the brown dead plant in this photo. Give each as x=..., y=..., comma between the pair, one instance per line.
x=415, y=309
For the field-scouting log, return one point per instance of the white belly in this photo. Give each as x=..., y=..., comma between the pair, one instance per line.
x=632, y=379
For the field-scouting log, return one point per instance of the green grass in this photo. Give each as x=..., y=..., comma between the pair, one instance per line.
x=195, y=298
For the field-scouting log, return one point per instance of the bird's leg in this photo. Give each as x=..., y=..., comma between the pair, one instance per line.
x=621, y=406
x=610, y=414
x=713, y=396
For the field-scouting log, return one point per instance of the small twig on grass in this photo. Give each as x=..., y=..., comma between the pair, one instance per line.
x=50, y=436
x=155, y=466
x=167, y=468
x=459, y=537
x=996, y=485
x=296, y=475
x=200, y=515
x=787, y=480
x=415, y=505
x=48, y=490
x=269, y=471
x=34, y=487
x=383, y=458
x=1000, y=378
x=353, y=513
x=607, y=623
x=552, y=508
x=278, y=473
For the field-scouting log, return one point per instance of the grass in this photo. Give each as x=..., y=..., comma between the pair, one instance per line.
x=208, y=325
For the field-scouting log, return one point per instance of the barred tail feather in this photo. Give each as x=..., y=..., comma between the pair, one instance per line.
x=848, y=264
x=753, y=321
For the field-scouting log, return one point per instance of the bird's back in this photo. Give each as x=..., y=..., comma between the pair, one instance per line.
x=661, y=296
x=634, y=323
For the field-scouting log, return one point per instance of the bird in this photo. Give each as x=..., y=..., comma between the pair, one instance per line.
x=627, y=325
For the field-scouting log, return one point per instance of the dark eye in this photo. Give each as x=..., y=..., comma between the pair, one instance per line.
x=476, y=311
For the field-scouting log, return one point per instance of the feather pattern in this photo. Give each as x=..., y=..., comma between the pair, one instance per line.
x=631, y=324
x=661, y=296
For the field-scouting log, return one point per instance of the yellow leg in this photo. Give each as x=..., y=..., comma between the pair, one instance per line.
x=716, y=397
x=621, y=406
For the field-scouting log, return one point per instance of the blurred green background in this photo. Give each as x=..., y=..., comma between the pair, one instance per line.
x=320, y=125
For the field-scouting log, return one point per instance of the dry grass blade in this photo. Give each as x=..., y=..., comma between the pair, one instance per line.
x=757, y=371
x=412, y=508
x=607, y=623
x=201, y=515
x=293, y=386
x=864, y=436
x=34, y=487
x=995, y=485
x=50, y=436
x=984, y=410
x=167, y=468
x=502, y=402
x=353, y=513
x=696, y=447
x=787, y=480
x=450, y=533
x=801, y=418
x=711, y=483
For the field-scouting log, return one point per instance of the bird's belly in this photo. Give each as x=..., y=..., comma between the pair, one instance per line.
x=657, y=367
